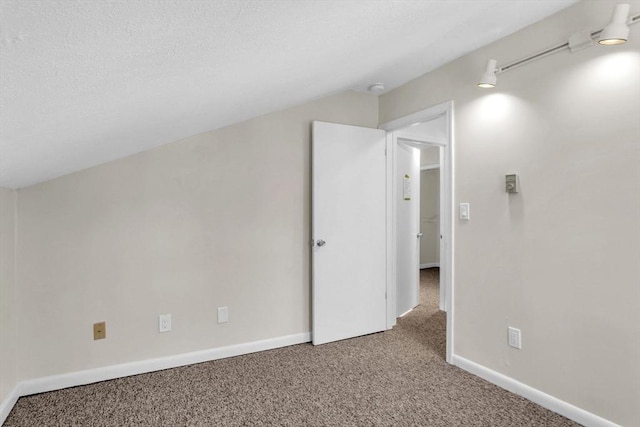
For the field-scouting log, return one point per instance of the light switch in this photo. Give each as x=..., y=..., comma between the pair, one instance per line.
x=464, y=211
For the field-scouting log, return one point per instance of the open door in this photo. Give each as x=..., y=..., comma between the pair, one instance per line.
x=348, y=231
x=407, y=205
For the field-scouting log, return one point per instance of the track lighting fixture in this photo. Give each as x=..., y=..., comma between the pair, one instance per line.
x=615, y=33
x=488, y=78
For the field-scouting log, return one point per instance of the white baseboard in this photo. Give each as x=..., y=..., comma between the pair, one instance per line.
x=430, y=265
x=552, y=403
x=57, y=382
x=405, y=313
x=8, y=402
x=72, y=379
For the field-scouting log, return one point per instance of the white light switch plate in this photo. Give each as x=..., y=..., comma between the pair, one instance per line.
x=465, y=211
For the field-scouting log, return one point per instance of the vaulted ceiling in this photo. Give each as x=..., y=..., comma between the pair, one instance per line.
x=83, y=82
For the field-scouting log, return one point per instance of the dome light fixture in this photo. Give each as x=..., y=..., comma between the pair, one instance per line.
x=617, y=31
x=376, y=88
x=488, y=78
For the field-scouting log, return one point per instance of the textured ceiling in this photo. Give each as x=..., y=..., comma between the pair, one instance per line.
x=85, y=81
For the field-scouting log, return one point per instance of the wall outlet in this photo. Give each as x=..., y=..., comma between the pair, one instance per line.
x=514, y=338
x=99, y=330
x=164, y=323
x=223, y=314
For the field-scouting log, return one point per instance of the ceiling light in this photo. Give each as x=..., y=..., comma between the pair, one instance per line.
x=488, y=79
x=376, y=88
x=617, y=31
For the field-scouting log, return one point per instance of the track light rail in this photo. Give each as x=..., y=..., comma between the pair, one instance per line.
x=633, y=20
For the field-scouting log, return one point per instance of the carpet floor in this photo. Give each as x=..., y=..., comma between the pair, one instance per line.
x=393, y=378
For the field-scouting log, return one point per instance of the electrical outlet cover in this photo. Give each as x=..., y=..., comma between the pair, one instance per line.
x=223, y=314
x=164, y=323
x=515, y=338
x=99, y=330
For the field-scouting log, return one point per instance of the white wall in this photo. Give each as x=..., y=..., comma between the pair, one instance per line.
x=218, y=219
x=430, y=215
x=560, y=259
x=430, y=156
x=8, y=371
x=430, y=194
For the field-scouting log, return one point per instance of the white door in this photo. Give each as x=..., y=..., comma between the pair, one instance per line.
x=348, y=232
x=407, y=201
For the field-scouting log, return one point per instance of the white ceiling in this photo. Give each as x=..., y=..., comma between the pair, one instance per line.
x=85, y=81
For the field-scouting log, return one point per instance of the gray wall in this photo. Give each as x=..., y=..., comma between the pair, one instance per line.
x=8, y=309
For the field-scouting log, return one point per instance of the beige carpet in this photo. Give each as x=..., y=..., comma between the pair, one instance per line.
x=394, y=378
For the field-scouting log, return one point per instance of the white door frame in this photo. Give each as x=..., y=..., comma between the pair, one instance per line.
x=446, y=210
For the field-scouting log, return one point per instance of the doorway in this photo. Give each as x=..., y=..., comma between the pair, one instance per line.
x=416, y=216
x=335, y=148
x=432, y=127
x=430, y=207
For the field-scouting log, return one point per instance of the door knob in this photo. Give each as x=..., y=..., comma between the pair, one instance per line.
x=321, y=242
x=420, y=235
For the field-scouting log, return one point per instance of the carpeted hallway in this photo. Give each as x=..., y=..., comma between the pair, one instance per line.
x=394, y=378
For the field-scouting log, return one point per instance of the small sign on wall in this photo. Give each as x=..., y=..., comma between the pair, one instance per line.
x=406, y=188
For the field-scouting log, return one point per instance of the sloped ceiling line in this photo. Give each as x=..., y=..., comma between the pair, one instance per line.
x=86, y=82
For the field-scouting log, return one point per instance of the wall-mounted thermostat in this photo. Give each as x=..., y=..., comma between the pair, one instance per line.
x=512, y=183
